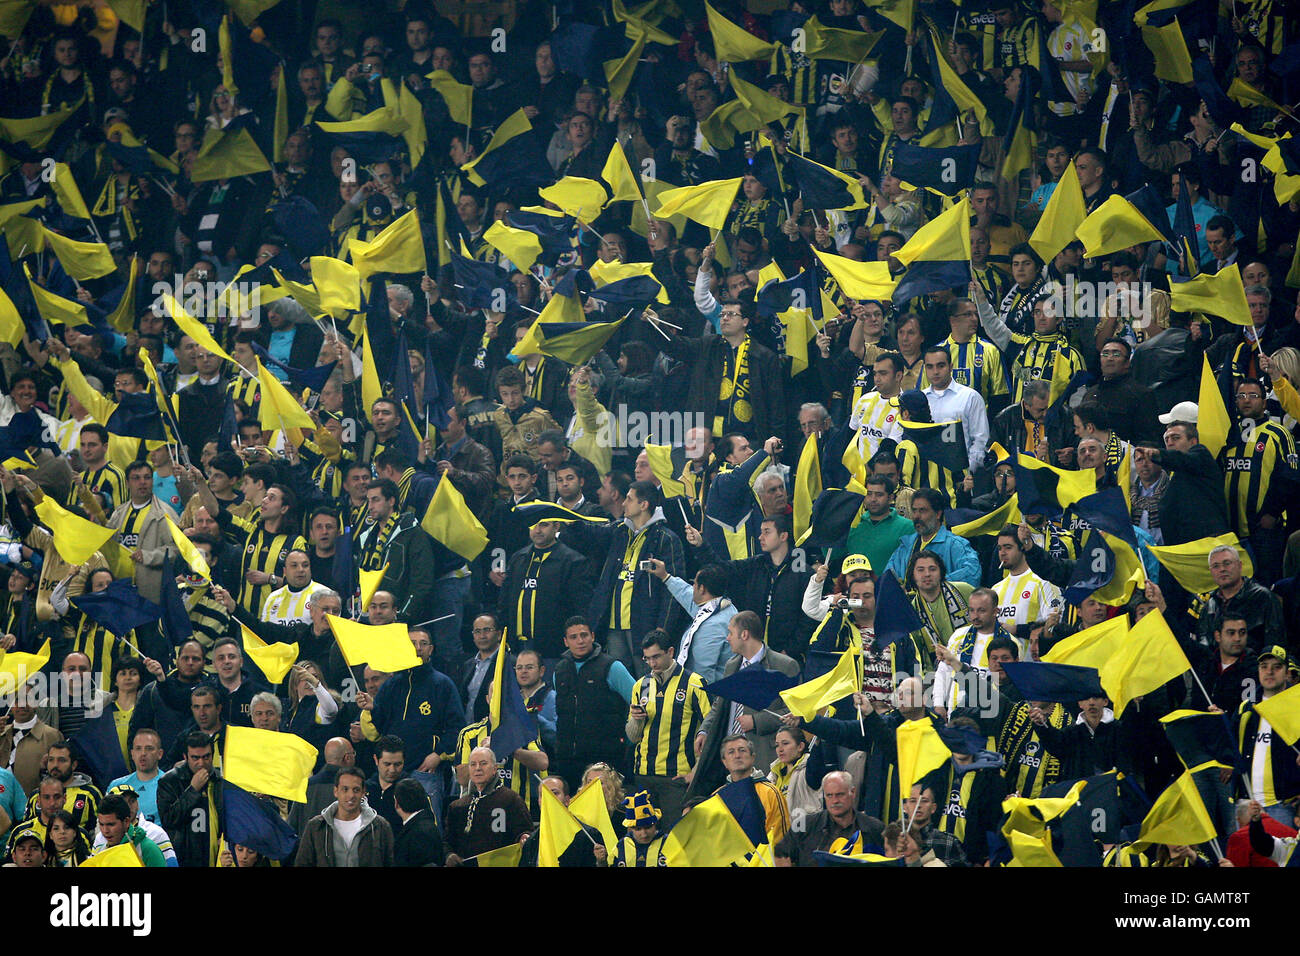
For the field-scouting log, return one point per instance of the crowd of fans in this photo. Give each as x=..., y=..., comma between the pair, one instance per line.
x=670, y=568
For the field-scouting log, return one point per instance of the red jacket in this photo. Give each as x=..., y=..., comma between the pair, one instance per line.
x=1239, y=851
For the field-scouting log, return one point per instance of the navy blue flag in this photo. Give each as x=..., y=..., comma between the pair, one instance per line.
x=755, y=687
x=1223, y=111
x=826, y=858
x=832, y=518
x=1097, y=818
x=632, y=293
x=408, y=436
x=437, y=393
x=119, y=607
x=943, y=109
x=99, y=750
x=1201, y=737
x=1105, y=510
x=25, y=430
x=482, y=285
x=1189, y=249
x=948, y=170
x=518, y=727
x=137, y=416
x=175, y=622
x=135, y=158
x=742, y=800
x=943, y=443
x=1093, y=569
x=255, y=822
x=379, y=328
x=1059, y=683
x=15, y=285
x=896, y=618
x=763, y=168
x=963, y=740
x=800, y=291
x=345, y=569
x=818, y=187
x=517, y=163
x=302, y=225
x=313, y=378
x=228, y=429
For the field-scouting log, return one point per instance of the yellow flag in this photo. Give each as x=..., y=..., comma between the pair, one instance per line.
x=69, y=195
x=11, y=323
x=278, y=409
x=588, y=806
x=1247, y=95
x=1114, y=225
x=1189, y=562
x=224, y=56
x=1221, y=294
x=1149, y=658
x=399, y=248
x=416, y=133
x=945, y=238
x=708, y=835
x=762, y=106
x=732, y=43
x=1173, y=62
x=961, y=94
x=618, y=174
x=843, y=679
x=920, y=751
x=709, y=203
x=369, y=583
x=459, y=97
x=1212, y=420
x=280, y=131
x=75, y=538
x=338, y=284
x=619, y=72
x=1155, y=6
x=122, y=317
x=660, y=459
x=269, y=762
x=385, y=647
x=583, y=199
x=274, y=660
x=1031, y=816
x=385, y=119
x=1178, y=817
x=227, y=155
x=859, y=280
x=55, y=308
x=192, y=326
x=557, y=831
x=371, y=391
x=192, y=555
x=807, y=485
x=1282, y=711
x=1063, y=216
x=449, y=521
x=504, y=856
x=1093, y=646
x=1029, y=850
x=17, y=666
x=520, y=246
x=123, y=854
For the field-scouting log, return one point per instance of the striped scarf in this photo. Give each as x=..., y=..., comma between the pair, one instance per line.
x=952, y=601
x=373, y=557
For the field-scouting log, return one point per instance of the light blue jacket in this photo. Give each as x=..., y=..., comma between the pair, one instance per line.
x=959, y=558
x=709, y=651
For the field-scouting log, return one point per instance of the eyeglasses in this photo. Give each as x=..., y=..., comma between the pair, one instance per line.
x=485, y=630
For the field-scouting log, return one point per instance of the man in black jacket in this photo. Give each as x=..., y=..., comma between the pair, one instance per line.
x=395, y=540
x=1170, y=363
x=164, y=705
x=1193, y=505
x=592, y=694
x=819, y=830
x=771, y=585
x=416, y=840
x=189, y=803
x=543, y=581
x=1024, y=424
x=1086, y=748
x=737, y=384
x=1131, y=404
x=1237, y=596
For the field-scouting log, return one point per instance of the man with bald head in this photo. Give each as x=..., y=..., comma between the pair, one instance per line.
x=487, y=816
x=338, y=753
x=77, y=699
x=382, y=608
x=840, y=819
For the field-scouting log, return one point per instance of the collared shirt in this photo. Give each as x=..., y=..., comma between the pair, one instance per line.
x=958, y=402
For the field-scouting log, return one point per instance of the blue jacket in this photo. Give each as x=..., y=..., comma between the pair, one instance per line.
x=709, y=651
x=418, y=705
x=960, y=559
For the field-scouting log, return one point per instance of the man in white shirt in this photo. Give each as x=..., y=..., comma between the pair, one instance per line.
x=1025, y=601
x=950, y=401
x=290, y=603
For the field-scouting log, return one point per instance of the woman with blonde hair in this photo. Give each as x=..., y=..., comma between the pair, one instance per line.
x=611, y=782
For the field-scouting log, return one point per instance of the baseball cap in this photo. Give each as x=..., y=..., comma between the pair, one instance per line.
x=914, y=402
x=28, y=834
x=1182, y=412
x=1278, y=652
x=124, y=790
x=114, y=113
x=855, y=562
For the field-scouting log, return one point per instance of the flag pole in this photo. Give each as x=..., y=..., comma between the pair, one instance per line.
x=1208, y=698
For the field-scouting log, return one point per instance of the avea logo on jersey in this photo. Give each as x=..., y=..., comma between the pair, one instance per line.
x=77, y=910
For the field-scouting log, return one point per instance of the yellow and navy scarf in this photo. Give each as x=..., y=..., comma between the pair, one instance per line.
x=373, y=558
x=733, y=394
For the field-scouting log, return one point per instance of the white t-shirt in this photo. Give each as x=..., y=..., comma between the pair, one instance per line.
x=348, y=829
